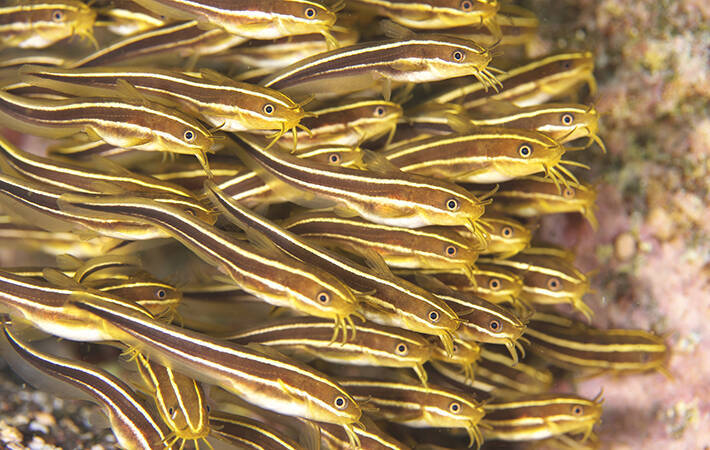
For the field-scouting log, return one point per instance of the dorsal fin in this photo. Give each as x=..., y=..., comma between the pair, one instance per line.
x=431, y=284
x=104, y=262
x=128, y=91
x=68, y=262
x=266, y=350
x=57, y=278
x=377, y=163
x=395, y=31
x=214, y=76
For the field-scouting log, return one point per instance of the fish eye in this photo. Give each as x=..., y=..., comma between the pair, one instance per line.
x=452, y=204
x=160, y=293
x=170, y=411
x=495, y=325
x=380, y=111
x=340, y=402
x=434, y=316
x=451, y=250
x=568, y=192
x=208, y=408
x=190, y=212
x=458, y=55
x=567, y=119
x=269, y=108
x=402, y=349
x=554, y=284
x=506, y=231
x=334, y=158
x=58, y=16
x=310, y=12
x=455, y=407
x=323, y=297
x=189, y=135
x=525, y=150
x=466, y=5
x=577, y=410
x=566, y=64
x=494, y=284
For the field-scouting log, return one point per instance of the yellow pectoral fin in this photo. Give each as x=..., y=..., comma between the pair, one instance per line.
x=288, y=391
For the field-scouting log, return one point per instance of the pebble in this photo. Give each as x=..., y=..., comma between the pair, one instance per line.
x=625, y=246
x=38, y=427
x=660, y=224
x=9, y=434
x=45, y=419
x=37, y=443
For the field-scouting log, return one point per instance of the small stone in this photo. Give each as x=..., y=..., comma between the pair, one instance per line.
x=9, y=434
x=69, y=425
x=38, y=427
x=20, y=420
x=45, y=419
x=660, y=224
x=37, y=443
x=625, y=246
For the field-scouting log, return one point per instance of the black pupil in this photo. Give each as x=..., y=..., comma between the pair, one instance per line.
x=170, y=411
x=454, y=407
x=458, y=56
x=567, y=119
x=553, y=283
x=525, y=150
x=380, y=111
x=58, y=15
x=451, y=250
x=451, y=204
x=310, y=12
x=188, y=135
x=494, y=284
x=339, y=401
x=161, y=293
x=466, y=5
x=506, y=232
x=433, y=315
x=269, y=109
x=334, y=158
x=401, y=348
x=323, y=298
x=494, y=325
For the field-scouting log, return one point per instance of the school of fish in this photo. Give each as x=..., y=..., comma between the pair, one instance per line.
x=297, y=224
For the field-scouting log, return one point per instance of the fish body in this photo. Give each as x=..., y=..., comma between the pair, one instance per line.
x=268, y=380
x=133, y=425
x=417, y=59
x=252, y=19
x=486, y=155
x=119, y=122
x=428, y=247
x=541, y=416
x=40, y=23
